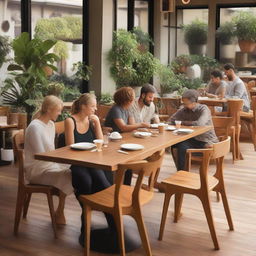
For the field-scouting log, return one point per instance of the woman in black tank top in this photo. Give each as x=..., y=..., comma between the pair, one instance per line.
x=84, y=126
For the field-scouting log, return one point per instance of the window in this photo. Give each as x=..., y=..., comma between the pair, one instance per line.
x=230, y=52
x=121, y=14
x=185, y=17
x=141, y=15
x=61, y=20
x=10, y=27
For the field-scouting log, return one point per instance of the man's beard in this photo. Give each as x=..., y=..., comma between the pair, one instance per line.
x=146, y=102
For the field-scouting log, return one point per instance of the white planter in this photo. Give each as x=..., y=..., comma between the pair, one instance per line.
x=7, y=154
x=227, y=51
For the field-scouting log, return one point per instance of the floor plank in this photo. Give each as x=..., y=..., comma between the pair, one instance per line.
x=188, y=237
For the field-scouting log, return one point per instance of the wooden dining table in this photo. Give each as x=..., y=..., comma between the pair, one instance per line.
x=212, y=101
x=108, y=159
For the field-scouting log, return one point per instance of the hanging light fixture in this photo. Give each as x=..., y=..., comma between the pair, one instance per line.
x=185, y=1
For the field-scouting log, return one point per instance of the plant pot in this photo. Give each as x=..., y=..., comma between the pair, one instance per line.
x=13, y=118
x=227, y=51
x=241, y=59
x=197, y=49
x=22, y=120
x=48, y=71
x=246, y=45
x=7, y=155
x=137, y=90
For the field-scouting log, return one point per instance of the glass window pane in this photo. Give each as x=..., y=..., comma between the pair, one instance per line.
x=10, y=27
x=141, y=15
x=185, y=17
x=231, y=52
x=61, y=20
x=122, y=12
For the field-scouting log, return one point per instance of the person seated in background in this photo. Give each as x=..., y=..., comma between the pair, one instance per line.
x=143, y=109
x=39, y=138
x=119, y=118
x=236, y=88
x=193, y=114
x=217, y=86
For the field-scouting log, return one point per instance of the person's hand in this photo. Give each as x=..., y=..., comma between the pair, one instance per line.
x=145, y=125
x=94, y=119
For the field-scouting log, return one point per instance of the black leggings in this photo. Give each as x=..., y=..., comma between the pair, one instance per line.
x=88, y=181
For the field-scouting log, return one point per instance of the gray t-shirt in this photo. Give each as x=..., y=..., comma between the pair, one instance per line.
x=216, y=90
x=116, y=112
x=237, y=90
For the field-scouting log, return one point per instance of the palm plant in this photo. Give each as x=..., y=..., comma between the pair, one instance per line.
x=24, y=88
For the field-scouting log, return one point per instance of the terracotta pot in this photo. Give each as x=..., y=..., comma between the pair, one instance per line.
x=22, y=120
x=48, y=71
x=246, y=45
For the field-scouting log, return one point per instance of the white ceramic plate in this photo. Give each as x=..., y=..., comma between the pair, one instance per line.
x=154, y=126
x=170, y=128
x=142, y=134
x=83, y=146
x=185, y=130
x=131, y=146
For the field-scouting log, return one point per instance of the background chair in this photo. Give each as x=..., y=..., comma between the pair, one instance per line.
x=200, y=185
x=121, y=200
x=25, y=191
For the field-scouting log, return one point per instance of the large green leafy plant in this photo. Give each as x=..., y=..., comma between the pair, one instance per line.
x=245, y=26
x=195, y=33
x=26, y=84
x=129, y=66
x=226, y=33
x=4, y=49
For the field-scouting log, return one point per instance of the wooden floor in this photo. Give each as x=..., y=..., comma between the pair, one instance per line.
x=188, y=237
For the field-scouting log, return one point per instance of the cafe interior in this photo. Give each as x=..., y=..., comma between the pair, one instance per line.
x=127, y=127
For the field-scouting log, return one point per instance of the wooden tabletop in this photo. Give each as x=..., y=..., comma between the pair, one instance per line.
x=8, y=126
x=212, y=101
x=109, y=158
x=67, y=105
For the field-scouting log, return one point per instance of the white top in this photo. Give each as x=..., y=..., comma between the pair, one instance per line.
x=144, y=114
x=39, y=138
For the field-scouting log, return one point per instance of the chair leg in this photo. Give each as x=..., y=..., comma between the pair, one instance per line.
x=208, y=213
x=26, y=205
x=142, y=230
x=234, y=147
x=167, y=199
x=52, y=213
x=120, y=231
x=218, y=196
x=87, y=229
x=178, y=203
x=226, y=208
x=19, y=205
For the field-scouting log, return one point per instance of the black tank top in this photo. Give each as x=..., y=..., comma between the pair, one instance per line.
x=88, y=136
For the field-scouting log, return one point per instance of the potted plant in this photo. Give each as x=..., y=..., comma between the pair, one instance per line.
x=195, y=35
x=54, y=88
x=106, y=99
x=226, y=36
x=130, y=66
x=4, y=49
x=180, y=63
x=27, y=79
x=246, y=31
x=143, y=39
x=169, y=84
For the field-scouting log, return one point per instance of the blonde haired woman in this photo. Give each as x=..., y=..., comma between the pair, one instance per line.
x=84, y=126
x=39, y=137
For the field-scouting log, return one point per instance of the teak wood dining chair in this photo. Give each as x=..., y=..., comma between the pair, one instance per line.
x=249, y=118
x=120, y=200
x=25, y=190
x=200, y=185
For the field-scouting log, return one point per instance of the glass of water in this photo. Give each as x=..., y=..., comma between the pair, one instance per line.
x=105, y=139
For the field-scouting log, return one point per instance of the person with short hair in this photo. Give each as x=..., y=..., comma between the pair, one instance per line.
x=143, y=109
x=119, y=118
x=236, y=88
x=39, y=138
x=217, y=86
x=193, y=114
